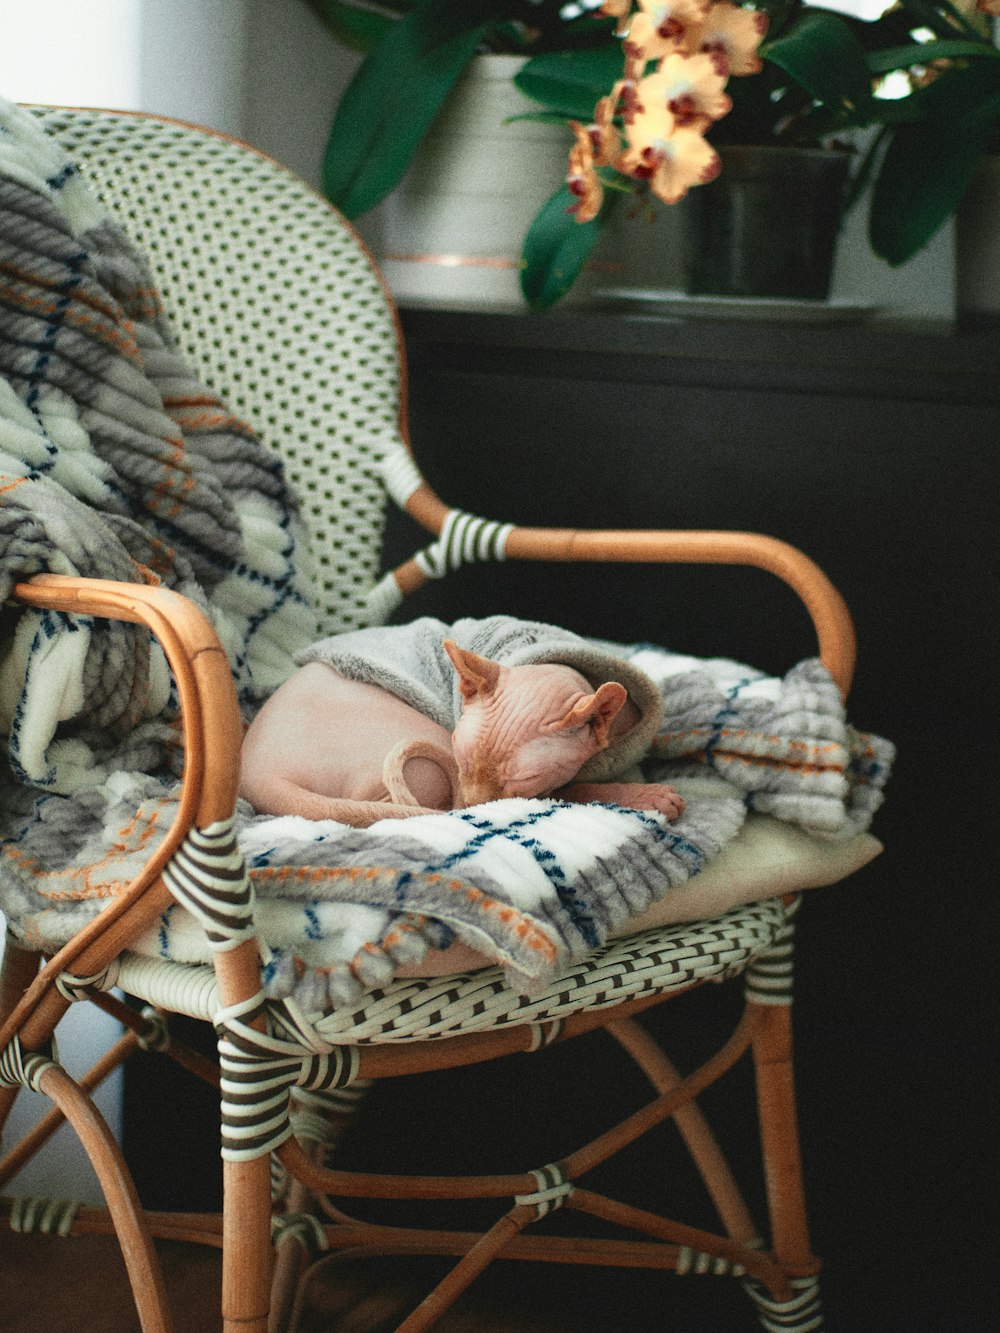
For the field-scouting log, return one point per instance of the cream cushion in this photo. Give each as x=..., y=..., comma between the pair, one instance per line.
x=767, y=858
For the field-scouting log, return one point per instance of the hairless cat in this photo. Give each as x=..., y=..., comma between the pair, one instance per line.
x=328, y=747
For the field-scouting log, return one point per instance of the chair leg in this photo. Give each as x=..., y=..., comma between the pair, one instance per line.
x=772, y=1052
x=319, y=1120
x=772, y=1049
x=130, y=1225
x=20, y=966
x=246, y=1245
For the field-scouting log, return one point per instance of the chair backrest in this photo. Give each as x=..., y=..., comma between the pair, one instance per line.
x=277, y=306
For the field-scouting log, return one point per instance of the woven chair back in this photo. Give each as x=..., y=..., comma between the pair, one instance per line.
x=277, y=306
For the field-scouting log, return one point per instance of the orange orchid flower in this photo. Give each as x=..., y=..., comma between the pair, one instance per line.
x=669, y=156
x=620, y=10
x=662, y=116
x=731, y=36
x=662, y=27
x=581, y=177
x=691, y=88
x=604, y=134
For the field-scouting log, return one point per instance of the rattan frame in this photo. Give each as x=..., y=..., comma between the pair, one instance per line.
x=36, y=992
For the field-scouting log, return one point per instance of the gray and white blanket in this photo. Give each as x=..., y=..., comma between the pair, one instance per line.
x=115, y=462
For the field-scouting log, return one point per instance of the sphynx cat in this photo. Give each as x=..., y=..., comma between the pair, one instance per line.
x=328, y=747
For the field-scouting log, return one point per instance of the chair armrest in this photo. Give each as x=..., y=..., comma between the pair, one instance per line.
x=827, y=609
x=212, y=732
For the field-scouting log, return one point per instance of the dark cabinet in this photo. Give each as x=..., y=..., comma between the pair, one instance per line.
x=874, y=448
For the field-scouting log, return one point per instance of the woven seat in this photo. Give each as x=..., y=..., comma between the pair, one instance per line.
x=279, y=309
x=653, y=962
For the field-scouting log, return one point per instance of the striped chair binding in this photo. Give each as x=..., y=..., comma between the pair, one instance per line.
x=800, y=1314
x=208, y=876
x=554, y=1190
x=259, y=1070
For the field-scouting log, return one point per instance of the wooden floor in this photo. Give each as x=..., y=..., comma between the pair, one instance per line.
x=48, y=1285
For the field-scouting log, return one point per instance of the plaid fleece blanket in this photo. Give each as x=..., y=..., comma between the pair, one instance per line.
x=115, y=462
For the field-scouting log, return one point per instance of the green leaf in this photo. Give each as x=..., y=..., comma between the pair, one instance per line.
x=925, y=172
x=394, y=96
x=539, y=118
x=556, y=248
x=922, y=53
x=821, y=53
x=570, y=82
x=359, y=29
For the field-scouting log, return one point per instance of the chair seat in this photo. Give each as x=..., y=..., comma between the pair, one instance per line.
x=722, y=920
x=656, y=960
x=706, y=929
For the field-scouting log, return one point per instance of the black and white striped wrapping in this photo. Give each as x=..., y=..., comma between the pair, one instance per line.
x=259, y=1070
x=208, y=876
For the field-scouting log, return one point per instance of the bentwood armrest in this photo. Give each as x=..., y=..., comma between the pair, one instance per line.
x=827, y=609
x=212, y=735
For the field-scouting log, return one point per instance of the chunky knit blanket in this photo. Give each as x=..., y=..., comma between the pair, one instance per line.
x=116, y=462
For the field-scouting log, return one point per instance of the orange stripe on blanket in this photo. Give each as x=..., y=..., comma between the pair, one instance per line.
x=692, y=744
x=103, y=330
x=525, y=930
x=145, y=574
x=126, y=844
x=177, y=478
x=163, y=557
x=147, y=297
x=768, y=761
x=529, y=934
x=209, y=414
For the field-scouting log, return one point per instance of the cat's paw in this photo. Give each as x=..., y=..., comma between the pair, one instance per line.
x=656, y=796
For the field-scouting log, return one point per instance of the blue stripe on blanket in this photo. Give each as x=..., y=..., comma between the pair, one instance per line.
x=692, y=854
x=545, y=859
x=37, y=376
x=725, y=715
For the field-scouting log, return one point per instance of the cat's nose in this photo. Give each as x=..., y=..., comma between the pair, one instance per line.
x=480, y=785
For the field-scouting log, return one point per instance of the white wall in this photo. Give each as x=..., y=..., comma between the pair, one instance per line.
x=70, y=53
x=297, y=73
x=923, y=288
x=193, y=61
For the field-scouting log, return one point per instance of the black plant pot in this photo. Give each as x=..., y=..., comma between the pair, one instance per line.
x=767, y=226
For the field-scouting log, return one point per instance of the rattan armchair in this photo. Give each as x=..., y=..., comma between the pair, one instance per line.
x=279, y=307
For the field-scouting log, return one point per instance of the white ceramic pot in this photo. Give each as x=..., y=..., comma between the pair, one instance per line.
x=977, y=249
x=454, y=227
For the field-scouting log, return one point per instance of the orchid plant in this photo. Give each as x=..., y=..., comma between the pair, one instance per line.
x=818, y=75
x=651, y=89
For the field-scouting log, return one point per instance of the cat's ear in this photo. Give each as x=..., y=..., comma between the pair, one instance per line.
x=477, y=676
x=597, y=711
